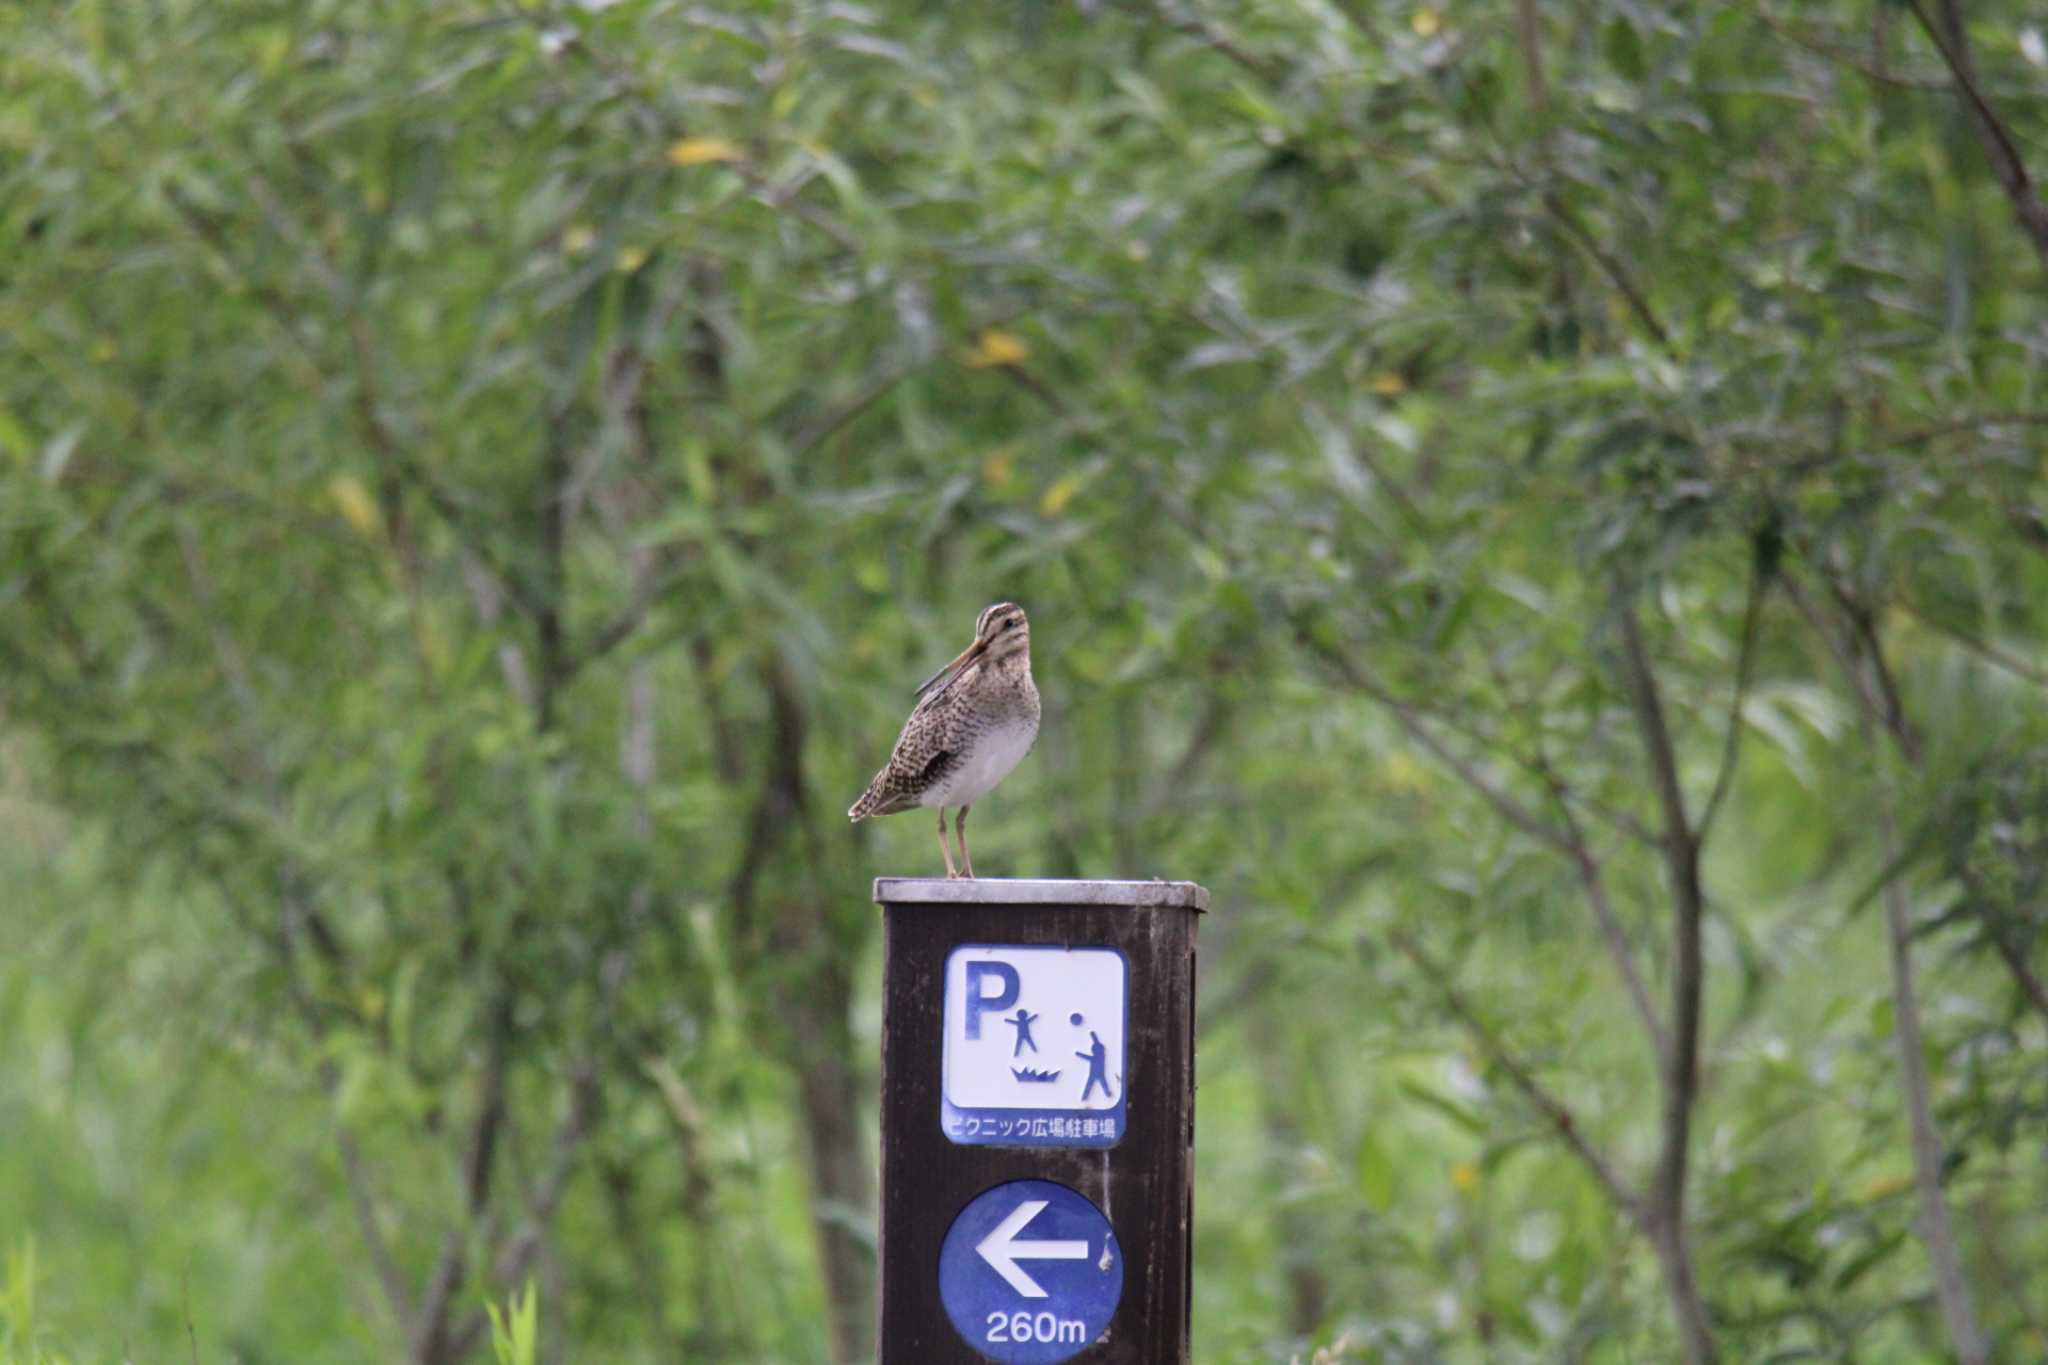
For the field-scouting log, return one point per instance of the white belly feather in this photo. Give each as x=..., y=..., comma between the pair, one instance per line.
x=988, y=760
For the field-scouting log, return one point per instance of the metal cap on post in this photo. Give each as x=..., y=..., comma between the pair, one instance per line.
x=1038, y=1105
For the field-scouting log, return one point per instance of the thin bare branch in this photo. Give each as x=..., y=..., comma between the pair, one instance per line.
x=1611, y=266
x=1183, y=18
x=1529, y=27
x=551, y=619
x=651, y=572
x=1983, y=649
x=1937, y=1234
x=1619, y=949
x=355, y=1172
x=1666, y=1201
x=1569, y=839
x=1869, y=70
x=2009, y=952
x=1951, y=37
x=1965, y=426
x=1036, y=387
x=820, y=428
x=1731, y=742
x=1410, y=721
x=431, y=1341
x=1881, y=708
x=1826, y=635
x=546, y=1195
x=1892, y=712
x=1554, y=1111
x=651, y=580
x=2022, y=973
x=643, y=1254
x=377, y=434
x=1539, y=766
x=1404, y=501
x=789, y=196
x=543, y=1200
x=389, y=1279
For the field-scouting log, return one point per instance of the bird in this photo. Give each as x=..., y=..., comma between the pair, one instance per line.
x=974, y=721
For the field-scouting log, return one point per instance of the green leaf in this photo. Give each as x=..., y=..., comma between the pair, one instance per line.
x=1431, y=1098
x=1375, y=1172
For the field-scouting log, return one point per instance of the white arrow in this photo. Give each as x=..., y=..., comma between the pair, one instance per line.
x=1002, y=1250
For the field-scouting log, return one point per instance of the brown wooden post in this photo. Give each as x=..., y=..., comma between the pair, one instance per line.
x=1004, y=1060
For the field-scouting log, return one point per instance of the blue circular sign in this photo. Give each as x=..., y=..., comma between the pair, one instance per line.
x=1030, y=1273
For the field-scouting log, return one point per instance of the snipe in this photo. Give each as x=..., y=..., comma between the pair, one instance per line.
x=974, y=721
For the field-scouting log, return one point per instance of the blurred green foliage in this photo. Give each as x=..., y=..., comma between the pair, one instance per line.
x=1536, y=506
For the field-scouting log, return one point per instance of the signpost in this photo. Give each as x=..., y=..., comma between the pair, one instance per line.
x=1038, y=1074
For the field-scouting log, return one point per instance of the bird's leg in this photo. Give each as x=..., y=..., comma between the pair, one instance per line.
x=960, y=828
x=945, y=848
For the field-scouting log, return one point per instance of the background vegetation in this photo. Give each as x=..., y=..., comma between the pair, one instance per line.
x=1538, y=506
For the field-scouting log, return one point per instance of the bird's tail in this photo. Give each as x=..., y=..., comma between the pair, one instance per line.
x=863, y=808
x=879, y=799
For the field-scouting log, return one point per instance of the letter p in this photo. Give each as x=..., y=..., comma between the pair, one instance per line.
x=979, y=1002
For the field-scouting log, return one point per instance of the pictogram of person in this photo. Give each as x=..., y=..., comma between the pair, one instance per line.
x=1021, y=1021
x=1097, y=1058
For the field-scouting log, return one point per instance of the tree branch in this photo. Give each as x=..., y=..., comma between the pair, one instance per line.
x=2011, y=953
x=643, y=1254
x=1638, y=302
x=1731, y=744
x=1542, y=769
x=1568, y=840
x=389, y=1279
x=1868, y=70
x=389, y=449
x=1880, y=707
x=1666, y=1201
x=821, y=427
x=1510, y=810
x=1180, y=18
x=546, y=1196
x=514, y=1260
x=1619, y=948
x=384, y=444
x=1937, y=1234
x=650, y=572
x=1951, y=37
x=1529, y=28
x=551, y=620
x=1553, y=1110
x=432, y=1342
x=1892, y=714
x=1836, y=650
x=1983, y=649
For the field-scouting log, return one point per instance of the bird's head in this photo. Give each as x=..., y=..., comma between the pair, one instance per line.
x=1003, y=631
x=1000, y=632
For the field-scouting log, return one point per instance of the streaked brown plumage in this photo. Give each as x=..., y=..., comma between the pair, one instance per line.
x=974, y=721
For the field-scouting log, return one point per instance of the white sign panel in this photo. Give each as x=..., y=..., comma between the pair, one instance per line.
x=1034, y=1045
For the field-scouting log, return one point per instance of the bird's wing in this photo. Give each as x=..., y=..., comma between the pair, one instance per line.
x=923, y=756
x=936, y=767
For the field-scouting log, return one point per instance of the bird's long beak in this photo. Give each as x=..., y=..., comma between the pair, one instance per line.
x=944, y=675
